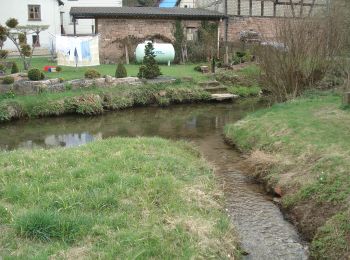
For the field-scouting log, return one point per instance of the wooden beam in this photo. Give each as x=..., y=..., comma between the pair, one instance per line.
x=262, y=8
x=274, y=8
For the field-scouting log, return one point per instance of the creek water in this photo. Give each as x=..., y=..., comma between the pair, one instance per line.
x=263, y=231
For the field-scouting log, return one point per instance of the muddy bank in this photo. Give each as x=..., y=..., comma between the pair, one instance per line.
x=300, y=152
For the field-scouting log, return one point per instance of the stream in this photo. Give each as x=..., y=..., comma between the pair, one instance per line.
x=262, y=229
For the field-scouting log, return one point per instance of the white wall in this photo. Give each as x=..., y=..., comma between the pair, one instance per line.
x=84, y=26
x=19, y=9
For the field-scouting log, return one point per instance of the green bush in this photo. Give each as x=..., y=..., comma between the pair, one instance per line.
x=198, y=68
x=14, y=68
x=2, y=67
x=34, y=74
x=42, y=75
x=150, y=68
x=121, y=71
x=58, y=69
x=8, y=80
x=3, y=54
x=92, y=74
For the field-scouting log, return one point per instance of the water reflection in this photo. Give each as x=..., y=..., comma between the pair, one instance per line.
x=186, y=122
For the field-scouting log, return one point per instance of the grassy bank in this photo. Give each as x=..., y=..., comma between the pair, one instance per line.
x=302, y=150
x=117, y=198
x=69, y=73
x=97, y=100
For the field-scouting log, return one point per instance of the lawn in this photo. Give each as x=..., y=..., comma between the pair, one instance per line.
x=95, y=101
x=69, y=73
x=120, y=198
x=302, y=148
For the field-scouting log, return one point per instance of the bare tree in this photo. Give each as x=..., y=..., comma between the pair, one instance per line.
x=307, y=50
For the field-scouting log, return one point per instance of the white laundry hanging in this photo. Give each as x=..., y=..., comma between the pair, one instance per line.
x=69, y=50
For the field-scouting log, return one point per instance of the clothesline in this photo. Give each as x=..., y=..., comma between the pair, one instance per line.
x=77, y=50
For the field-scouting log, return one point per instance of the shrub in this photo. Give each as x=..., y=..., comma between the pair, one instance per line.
x=198, y=68
x=92, y=74
x=150, y=68
x=14, y=68
x=42, y=75
x=3, y=54
x=61, y=80
x=34, y=74
x=8, y=80
x=58, y=69
x=89, y=104
x=2, y=67
x=121, y=71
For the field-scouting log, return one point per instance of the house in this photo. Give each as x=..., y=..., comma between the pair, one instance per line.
x=86, y=26
x=36, y=12
x=122, y=27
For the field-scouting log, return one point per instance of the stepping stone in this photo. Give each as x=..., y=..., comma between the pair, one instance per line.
x=223, y=97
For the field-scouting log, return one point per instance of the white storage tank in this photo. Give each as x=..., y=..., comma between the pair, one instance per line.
x=165, y=52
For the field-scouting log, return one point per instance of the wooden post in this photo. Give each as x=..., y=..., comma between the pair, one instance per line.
x=346, y=99
x=75, y=26
x=126, y=54
x=250, y=7
x=239, y=7
x=262, y=8
x=274, y=8
x=96, y=26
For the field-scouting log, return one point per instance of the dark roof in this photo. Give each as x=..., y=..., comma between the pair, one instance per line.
x=146, y=12
x=60, y=2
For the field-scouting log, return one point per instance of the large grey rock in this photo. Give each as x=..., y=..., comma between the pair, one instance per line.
x=25, y=87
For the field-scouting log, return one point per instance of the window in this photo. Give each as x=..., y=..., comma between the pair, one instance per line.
x=34, y=13
x=36, y=40
x=191, y=34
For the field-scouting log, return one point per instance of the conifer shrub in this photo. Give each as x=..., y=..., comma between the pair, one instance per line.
x=14, y=68
x=121, y=71
x=149, y=69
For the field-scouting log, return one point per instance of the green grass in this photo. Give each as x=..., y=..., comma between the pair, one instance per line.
x=69, y=73
x=243, y=91
x=120, y=198
x=302, y=146
x=94, y=101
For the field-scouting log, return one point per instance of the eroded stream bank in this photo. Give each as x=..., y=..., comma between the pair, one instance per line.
x=263, y=231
